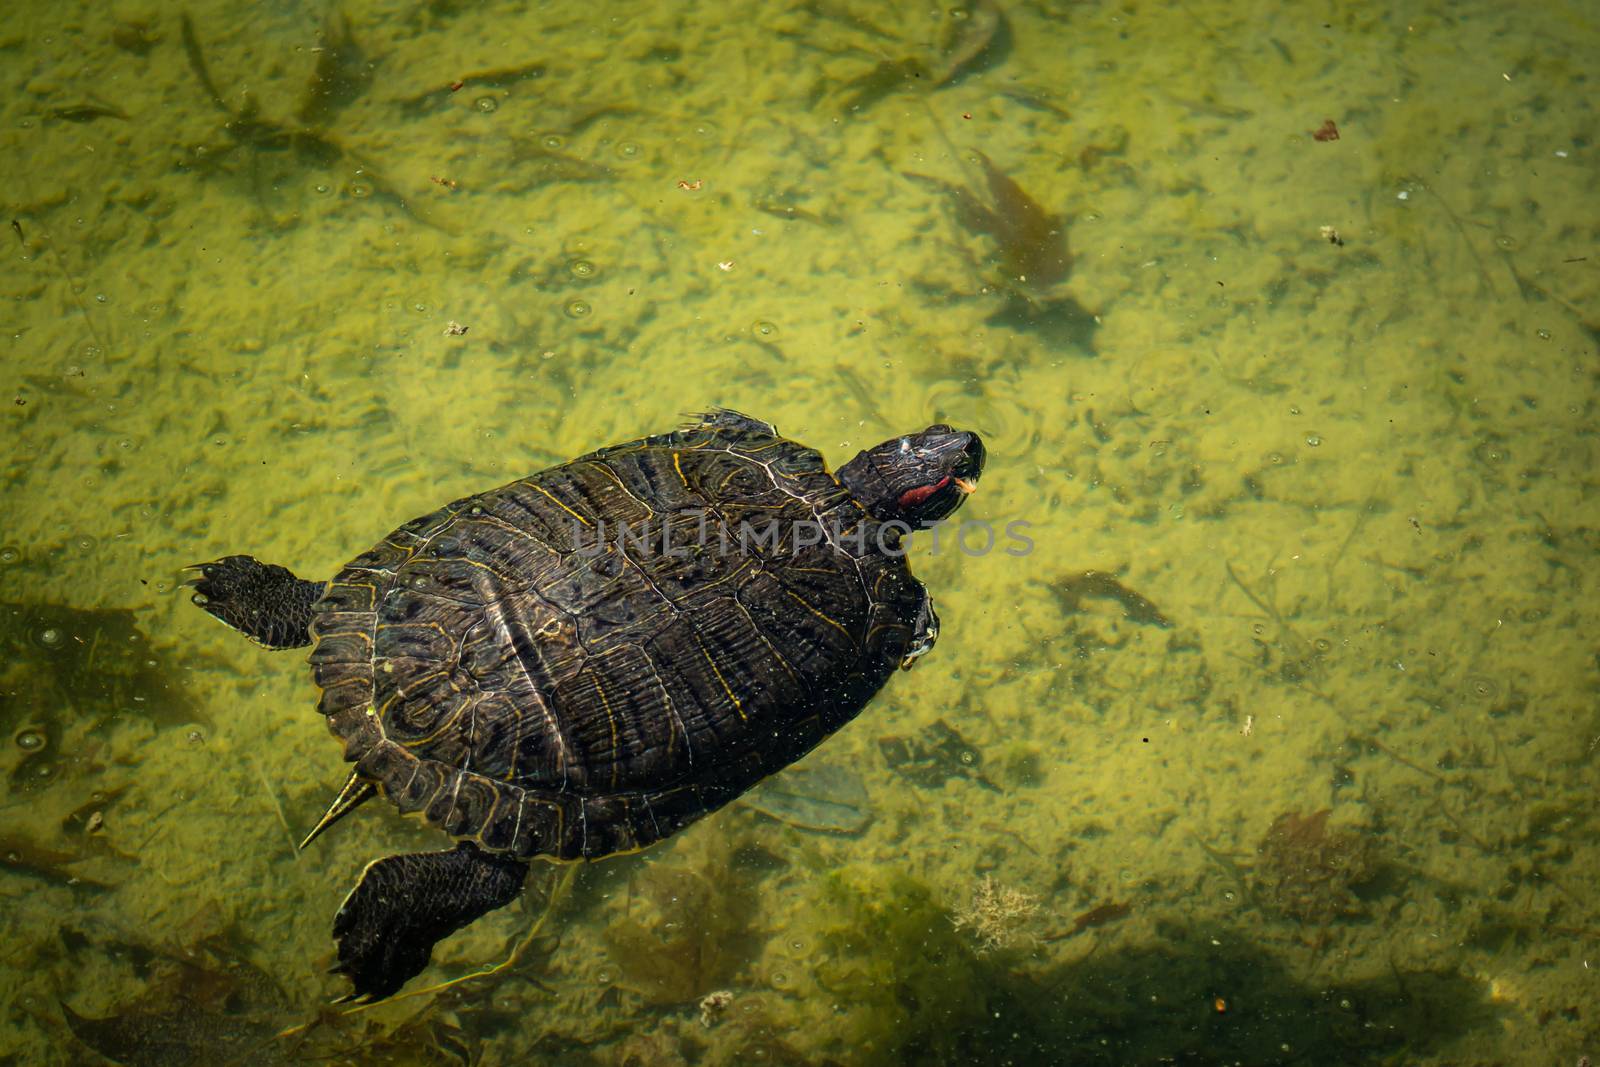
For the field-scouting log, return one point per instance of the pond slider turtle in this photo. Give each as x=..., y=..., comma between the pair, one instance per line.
x=589, y=659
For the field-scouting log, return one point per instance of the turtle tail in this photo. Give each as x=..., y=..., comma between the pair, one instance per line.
x=266, y=603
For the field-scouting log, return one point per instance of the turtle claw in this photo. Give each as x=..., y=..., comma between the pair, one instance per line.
x=355, y=996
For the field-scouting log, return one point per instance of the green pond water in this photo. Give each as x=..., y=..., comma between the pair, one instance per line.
x=1277, y=746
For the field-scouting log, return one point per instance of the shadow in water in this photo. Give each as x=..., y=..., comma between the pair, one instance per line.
x=1061, y=322
x=1206, y=998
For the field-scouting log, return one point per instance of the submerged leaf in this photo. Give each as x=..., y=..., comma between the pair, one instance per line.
x=696, y=931
x=1030, y=258
x=20, y=856
x=972, y=39
x=1032, y=243
x=814, y=796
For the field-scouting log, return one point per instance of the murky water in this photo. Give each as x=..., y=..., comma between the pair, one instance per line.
x=1278, y=745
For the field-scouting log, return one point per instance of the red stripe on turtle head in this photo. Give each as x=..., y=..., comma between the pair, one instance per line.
x=912, y=497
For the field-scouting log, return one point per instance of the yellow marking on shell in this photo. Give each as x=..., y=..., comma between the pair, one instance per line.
x=560, y=836
x=552, y=498
x=451, y=723
x=383, y=712
x=370, y=587
x=416, y=683
x=620, y=484
x=409, y=550
x=426, y=624
x=777, y=654
x=819, y=614
x=677, y=465
x=319, y=634
x=611, y=720
x=516, y=531
x=712, y=663
x=481, y=565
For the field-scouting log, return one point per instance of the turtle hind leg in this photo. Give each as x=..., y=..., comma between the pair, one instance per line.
x=266, y=603
x=387, y=926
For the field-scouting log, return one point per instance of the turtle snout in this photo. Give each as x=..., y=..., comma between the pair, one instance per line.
x=970, y=463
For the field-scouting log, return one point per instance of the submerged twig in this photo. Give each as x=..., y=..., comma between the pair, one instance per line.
x=87, y=111
x=1461, y=231
x=49, y=244
x=340, y=77
x=197, y=63
x=1398, y=758
x=277, y=806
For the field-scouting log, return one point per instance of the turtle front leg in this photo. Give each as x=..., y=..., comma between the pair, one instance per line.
x=263, y=601
x=387, y=926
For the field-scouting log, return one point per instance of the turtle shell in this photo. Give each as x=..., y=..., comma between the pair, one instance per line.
x=587, y=660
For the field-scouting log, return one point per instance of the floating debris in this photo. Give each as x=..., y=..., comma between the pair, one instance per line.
x=87, y=111
x=36, y=748
x=1096, y=916
x=533, y=161
x=713, y=1006
x=341, y=76
x=998, y=917
x=786, y=204
x=497, y=78
x=133, y=35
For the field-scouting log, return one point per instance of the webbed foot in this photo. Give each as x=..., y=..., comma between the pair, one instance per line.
x=403, y=905
x=265, y=602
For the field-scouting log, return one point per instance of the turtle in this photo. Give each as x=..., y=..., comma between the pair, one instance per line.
x=583, y=662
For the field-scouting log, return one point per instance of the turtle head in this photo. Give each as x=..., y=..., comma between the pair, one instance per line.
x=917, y=479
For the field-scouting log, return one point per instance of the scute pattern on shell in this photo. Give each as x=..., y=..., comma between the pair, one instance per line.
x=539, y=699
